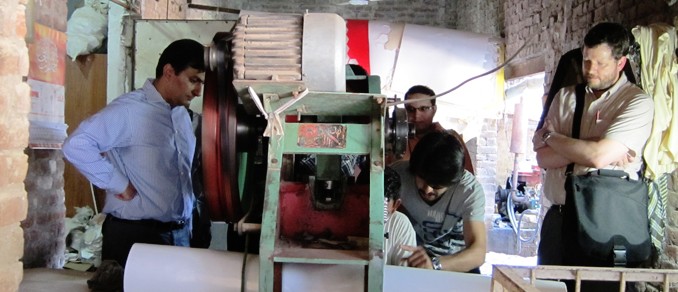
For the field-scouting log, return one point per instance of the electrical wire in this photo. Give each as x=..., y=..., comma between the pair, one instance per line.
x=502, y=65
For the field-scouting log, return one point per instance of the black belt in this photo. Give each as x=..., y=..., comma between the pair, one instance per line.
x=166, y=226
x=560, y=208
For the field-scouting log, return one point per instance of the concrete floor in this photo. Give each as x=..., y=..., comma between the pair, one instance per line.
x=53, y=280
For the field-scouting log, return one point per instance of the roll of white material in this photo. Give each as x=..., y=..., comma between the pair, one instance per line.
x=321, y=277
x=171, y=268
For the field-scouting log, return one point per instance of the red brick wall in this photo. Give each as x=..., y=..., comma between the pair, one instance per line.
x=559, y=26
x=14, y=107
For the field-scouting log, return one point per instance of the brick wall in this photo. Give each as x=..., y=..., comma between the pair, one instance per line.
x=14, y=107
x=555, y=27
x=44, y=227
x=438, y=13
x=486, y=163
x=480, y=16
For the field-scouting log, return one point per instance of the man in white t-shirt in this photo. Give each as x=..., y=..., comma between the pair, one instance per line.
x=445, y=204
x=398, y=228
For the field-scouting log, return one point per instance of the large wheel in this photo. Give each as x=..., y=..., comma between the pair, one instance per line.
x=219, y=135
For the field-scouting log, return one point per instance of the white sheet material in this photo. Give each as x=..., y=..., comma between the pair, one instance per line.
x=326, y=278
x=397, y=279
x=404, y=55
x=170, y=268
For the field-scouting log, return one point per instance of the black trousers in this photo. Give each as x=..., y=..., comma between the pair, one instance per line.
x=119, y=236
x=558, y=246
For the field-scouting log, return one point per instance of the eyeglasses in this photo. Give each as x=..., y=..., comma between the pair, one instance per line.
x=423, y=109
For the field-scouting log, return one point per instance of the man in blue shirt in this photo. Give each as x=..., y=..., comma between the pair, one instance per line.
x=139, y=149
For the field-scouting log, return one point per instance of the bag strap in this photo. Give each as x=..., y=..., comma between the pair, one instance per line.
x=580, y=93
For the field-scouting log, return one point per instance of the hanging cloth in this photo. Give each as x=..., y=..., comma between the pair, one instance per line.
x=658, y=78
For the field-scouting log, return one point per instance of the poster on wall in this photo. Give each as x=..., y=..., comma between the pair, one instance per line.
x=47, y=77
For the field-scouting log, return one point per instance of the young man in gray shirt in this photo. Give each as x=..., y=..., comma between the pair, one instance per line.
x=445, y=204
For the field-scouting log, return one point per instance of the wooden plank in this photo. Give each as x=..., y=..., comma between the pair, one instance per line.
x=510, y=277
x=320, y=256
x=598, y=273
x=85, y=95
x=509, y=280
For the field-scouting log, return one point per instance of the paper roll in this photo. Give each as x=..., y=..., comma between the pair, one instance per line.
x=171, y=268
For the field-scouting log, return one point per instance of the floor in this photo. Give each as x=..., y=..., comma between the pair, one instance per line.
x=52, y=280
x=65, y=280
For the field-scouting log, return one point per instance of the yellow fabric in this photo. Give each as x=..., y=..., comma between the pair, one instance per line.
x=658, y=78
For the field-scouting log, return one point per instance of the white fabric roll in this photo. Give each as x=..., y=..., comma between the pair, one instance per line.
x=171, y=268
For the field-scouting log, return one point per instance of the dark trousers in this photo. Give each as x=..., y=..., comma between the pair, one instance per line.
x=558, y=246
x=119, y=236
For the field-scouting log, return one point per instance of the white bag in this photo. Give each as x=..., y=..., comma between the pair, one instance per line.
x=86, y=29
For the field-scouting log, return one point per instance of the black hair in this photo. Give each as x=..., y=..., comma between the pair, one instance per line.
x=182, y=54
x=438, y=159
x=422, y=90
x=612, y=34
x=391, y=184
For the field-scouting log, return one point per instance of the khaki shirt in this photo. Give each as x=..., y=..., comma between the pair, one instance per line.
x=623, y=113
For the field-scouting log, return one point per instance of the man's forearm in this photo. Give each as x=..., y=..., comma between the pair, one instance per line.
x=465, y=260
x=548, y=158
x=595, y=154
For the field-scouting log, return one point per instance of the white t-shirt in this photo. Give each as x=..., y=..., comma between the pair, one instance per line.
x=400, y=232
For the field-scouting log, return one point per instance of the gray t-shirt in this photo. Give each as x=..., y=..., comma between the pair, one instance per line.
x=439, y=227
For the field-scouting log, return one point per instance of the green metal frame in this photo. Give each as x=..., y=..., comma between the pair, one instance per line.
x=361, y=139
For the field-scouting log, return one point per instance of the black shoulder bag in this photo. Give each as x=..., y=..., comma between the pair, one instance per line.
x=609, y=209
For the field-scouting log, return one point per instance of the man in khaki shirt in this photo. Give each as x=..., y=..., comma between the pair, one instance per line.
x=615, y=125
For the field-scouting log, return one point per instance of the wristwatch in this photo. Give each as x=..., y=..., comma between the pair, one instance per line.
x=547, y=135
x=436, y=263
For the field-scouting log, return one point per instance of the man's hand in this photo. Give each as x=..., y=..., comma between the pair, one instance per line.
x=129, y=193
x=624, y=161
x=419, y=257
x=537, y=138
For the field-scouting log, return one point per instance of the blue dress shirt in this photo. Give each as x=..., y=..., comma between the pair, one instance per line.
x=138, y=138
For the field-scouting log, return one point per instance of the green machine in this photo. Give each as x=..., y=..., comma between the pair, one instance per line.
x=294, y=149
